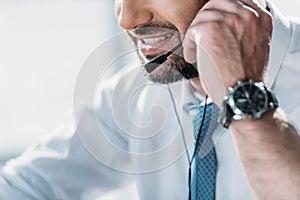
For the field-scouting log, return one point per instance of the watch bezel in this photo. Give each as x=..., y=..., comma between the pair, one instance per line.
x=238, y=113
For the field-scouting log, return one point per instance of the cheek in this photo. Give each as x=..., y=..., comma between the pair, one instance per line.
x=181, y=15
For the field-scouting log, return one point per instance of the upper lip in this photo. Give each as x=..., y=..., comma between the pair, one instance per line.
x=146, y=36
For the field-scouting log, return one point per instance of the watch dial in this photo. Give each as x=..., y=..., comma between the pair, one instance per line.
x=250, y=99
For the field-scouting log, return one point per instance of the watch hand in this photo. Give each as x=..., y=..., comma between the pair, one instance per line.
x=242, y=100
x=247, y=95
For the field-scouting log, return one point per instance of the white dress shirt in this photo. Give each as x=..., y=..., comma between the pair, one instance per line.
x=131, y=137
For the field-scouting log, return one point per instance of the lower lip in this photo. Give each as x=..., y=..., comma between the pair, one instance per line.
x=157, y=48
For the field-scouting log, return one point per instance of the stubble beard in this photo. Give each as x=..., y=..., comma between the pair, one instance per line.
x=172, y=69
x=167, y=72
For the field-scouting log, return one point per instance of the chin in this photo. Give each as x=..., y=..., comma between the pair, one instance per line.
x=168, y=72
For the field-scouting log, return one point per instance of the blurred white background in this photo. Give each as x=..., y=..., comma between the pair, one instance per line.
x=43, y=44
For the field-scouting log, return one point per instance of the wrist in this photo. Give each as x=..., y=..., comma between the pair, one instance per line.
x=269, y=151
x=247, y=101
x=255, y=125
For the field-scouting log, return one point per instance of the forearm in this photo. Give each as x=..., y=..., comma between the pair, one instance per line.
x=269, y=149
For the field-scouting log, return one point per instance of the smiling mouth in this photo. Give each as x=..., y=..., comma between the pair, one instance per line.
x=155, y=40
x=153, y=45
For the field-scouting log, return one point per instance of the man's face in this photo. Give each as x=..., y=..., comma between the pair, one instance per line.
x=156, y=26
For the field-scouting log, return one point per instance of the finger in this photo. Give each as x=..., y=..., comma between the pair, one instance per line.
x=234, y=6
x=260, y=8
x=249, y=10
x=193, y=35
x=211, y=15
x=189, y=47
x=210, y=76
x=229, y=6
x=252, y=3
x=205, y=18
x=190, y=55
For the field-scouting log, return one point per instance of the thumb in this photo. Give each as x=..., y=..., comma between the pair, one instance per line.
x=210, y=76
x=189, y=46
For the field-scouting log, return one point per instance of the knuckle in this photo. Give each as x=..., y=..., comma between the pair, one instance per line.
x=190, y=34
x=215, y=26
x=199, y=31
x=234, y=20
x=213, y=30
x=269, y=22
x=268, y=17
x=250, y=15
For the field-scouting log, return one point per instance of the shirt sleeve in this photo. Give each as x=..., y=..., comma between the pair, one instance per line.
x=62, y=167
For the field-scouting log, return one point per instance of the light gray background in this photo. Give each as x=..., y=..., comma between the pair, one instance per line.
x=43, y=44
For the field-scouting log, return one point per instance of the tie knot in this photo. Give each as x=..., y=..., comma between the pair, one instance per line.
x=210, y=112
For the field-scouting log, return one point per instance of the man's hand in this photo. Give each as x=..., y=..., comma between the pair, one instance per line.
x=229, y=39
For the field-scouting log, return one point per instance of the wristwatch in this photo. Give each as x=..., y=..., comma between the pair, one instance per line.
x=246, y=100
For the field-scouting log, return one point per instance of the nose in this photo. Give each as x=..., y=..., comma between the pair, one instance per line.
x=132, y=13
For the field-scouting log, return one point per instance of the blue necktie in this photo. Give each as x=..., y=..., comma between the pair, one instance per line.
x=204, y=173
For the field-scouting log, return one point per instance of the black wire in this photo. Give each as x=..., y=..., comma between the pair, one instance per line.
x=173, y=50
x=190, y=161
x=196, y=147
x=200, y=129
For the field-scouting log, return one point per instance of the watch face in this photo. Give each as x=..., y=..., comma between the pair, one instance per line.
x=249, y=99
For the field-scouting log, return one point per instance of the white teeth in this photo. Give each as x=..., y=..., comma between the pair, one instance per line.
x=151, y=41
x=147, y=47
